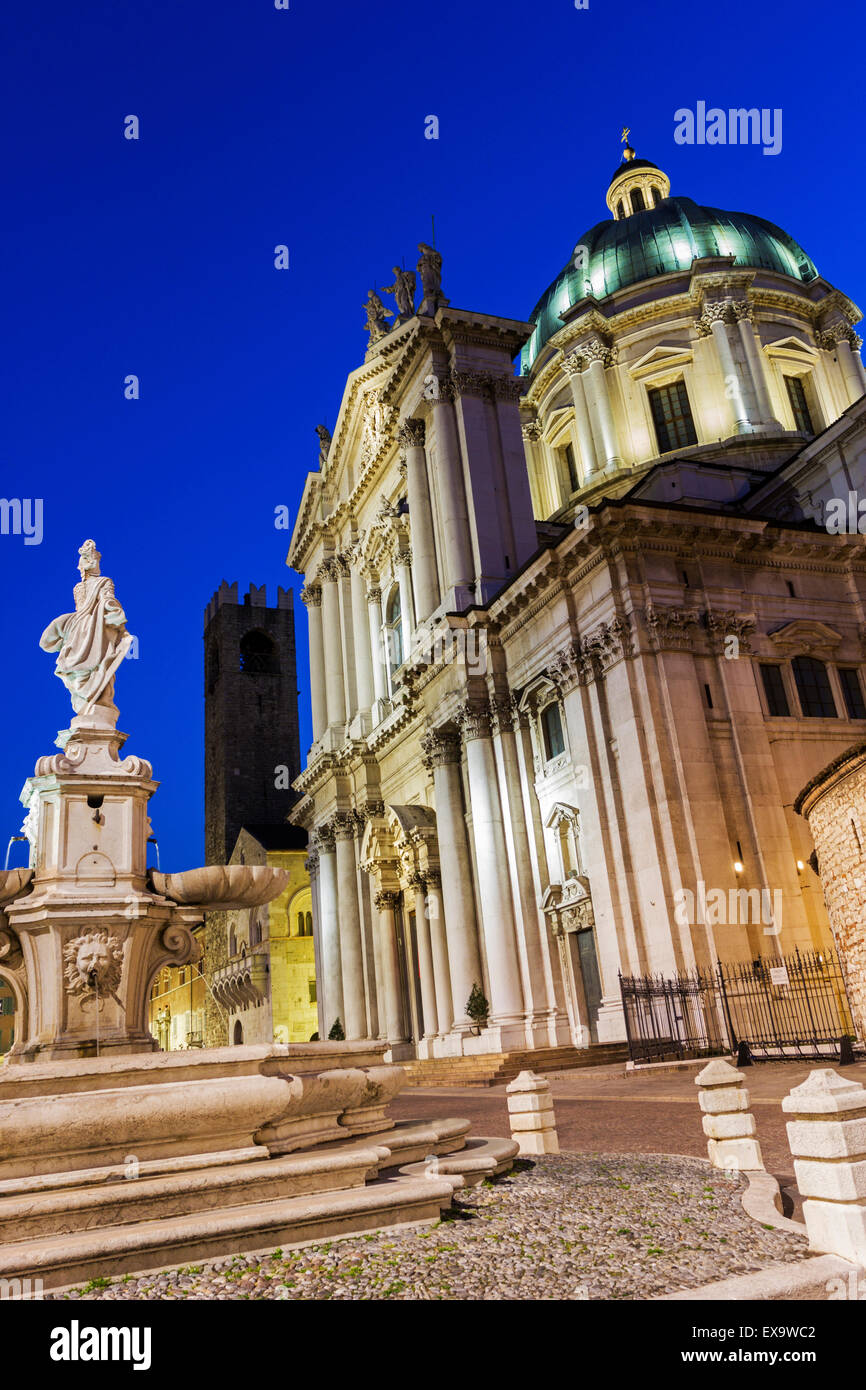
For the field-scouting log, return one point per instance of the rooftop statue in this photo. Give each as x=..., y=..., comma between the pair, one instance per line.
x=376, y=316
x=91, y=642
x=324, y=443
x=403, y=290
x=430, y=270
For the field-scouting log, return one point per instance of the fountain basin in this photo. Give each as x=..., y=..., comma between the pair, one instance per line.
x=222, y=887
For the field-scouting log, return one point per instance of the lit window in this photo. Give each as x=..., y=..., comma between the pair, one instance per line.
x=394, y=631
x=551, y=729
x=813, y=687
x=657, y=196
x=853, y=692
x=799, y=405
x=774, y=690
x=637, y=201
x=672, y=416
x=620, y=210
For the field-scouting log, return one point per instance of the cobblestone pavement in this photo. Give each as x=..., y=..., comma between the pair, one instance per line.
x=652, y=1111
x=588, y=1226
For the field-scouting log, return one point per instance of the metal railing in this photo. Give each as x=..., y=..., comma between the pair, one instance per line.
x=779, y=1007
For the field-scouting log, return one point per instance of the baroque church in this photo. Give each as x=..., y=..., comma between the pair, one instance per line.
x=579, y=632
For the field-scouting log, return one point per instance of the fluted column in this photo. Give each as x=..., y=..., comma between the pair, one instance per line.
x=743, y=312
x=441, y=750
x=715, y=320
x=491, y=859
x=439, y=944
x=311, y=864
x=842, y=340
x=527, y=917
x=311, y=597
x=572, y=365
x=394, y=1027
x=425, y=957
x=454, y=518
x=333, y=645
x=363, y=655
x=332, y=979
x=594, y=382
x=351, y=949
x=420, y=520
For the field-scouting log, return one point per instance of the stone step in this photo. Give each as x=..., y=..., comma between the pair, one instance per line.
x=494, y=1068
x=141, y=1246
x=66, y=1235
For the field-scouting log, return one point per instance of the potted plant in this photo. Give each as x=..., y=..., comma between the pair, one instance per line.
x=478, y=1008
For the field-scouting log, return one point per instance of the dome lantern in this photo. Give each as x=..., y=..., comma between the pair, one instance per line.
x=636, y=186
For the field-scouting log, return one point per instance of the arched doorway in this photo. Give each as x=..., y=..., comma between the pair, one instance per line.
x=238, y=1035
x=8, y=1016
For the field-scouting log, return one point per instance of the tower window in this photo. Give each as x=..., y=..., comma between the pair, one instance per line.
x=637, y=201
x=853, y=692
x=620, y=210
x=672, y=416
x=813, y=687
x=551, y=729
x=774, y=690
x=259, y=655
x=571, y=468
x=657, y=195
x=799, y=404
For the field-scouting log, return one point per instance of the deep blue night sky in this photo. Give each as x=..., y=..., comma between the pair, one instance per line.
x=306, y=127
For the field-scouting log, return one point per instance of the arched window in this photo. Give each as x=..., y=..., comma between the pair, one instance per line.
x=213, y=667
x=255, y=931
x=657, y=195
x=637, y=201
x=309, y=924
x=259, y=656
x=813, y=687
x=551, y=732
x=394, y=630
x=238, y=1035
x=233, y=941
x=620, y=210
x=300, y=924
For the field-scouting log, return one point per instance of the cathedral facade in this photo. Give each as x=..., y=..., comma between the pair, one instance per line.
x=580, y=631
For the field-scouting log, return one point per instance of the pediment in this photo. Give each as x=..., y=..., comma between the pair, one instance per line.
x=666, y=354
x=791, y=344
x=805, y=637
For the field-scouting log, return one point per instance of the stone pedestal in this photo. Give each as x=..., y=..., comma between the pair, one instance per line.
x=730, y=1129
x=827, y=1137
x=530, y=1114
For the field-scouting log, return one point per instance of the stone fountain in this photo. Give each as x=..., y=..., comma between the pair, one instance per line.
x=116, y=1157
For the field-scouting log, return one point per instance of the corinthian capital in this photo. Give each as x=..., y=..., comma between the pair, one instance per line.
x=323, y=839
x=474, y=721
x=573, y=364
x=311, y=595
x=531, y=431
x=440, y=747
x=596, y=350
x=411, y=434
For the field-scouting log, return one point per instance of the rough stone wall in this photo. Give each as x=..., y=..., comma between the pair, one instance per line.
x=214, y=938
x=836, y=812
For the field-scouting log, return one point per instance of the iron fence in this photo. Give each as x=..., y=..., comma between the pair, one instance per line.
x=777, y=1007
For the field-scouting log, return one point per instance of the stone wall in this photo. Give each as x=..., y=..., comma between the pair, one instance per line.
x=834, y=804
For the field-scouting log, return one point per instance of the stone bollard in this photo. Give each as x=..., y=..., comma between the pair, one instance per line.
x=827, y=1137
x=729, y=1127
x=530, y=1114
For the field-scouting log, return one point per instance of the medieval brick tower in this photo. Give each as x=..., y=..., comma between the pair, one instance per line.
x=252, y=744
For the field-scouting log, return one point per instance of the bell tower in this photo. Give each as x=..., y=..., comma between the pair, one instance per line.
x=252, y=742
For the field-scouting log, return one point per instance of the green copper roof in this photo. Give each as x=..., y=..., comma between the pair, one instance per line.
x=663, y=239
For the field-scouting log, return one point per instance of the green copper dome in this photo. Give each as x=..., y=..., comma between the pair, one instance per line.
x=659, y=241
